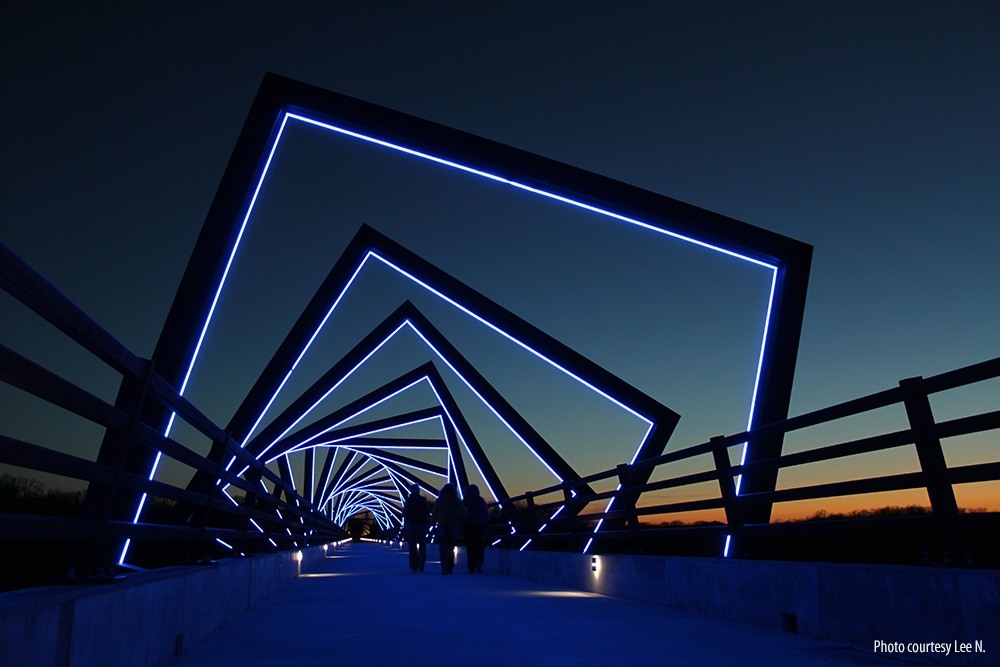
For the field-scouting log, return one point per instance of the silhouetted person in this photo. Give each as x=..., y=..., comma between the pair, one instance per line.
x=415, y=514
x=477, y=519
x=449, y=514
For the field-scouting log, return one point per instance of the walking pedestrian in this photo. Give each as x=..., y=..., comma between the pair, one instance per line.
x=449, y=514
x=415, y=513
x=477, y=521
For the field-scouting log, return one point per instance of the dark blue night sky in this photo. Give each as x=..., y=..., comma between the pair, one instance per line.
x=865, y=129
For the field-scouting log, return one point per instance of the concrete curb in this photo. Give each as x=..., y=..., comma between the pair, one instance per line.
x=145, y=619
x=845, y=603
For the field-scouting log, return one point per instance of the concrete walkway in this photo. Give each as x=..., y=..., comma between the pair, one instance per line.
x=362, y=606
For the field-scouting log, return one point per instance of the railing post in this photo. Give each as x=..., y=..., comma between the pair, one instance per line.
x=530, y=523
x=250, y=502
x=100, y=560
x=626, y=503
x=508, y=514
x=570, y=514
x=727, y=487
x=935, y=470
x=200, y=550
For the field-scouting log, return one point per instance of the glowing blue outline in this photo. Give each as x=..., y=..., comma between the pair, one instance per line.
x=343, y=487
x=521, y=186
x=356, y=503
x=554, y=515
x=304, y=443
x=490, y=176
x=462, y=441
x=767, y=318
x=400, y=425
x=358, y=498
x=349, y=507
x=452, y=302
x=331, y=389
x=407, y=322
x=347, y=463
x=208, y=318
x=340, y=484
x=487, y=404
x=385, y=458
x=329, y=443
x=588, y=207
x=354, y=484
x=441, y=403
x=359, y=483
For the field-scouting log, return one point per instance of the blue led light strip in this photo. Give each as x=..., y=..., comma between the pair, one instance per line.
x=451, y=418
x=349, y=485
x=458, y=434
x=461, y=167
x=486, y=403
x=208, y=320
x=408, y=323
x=522, y=186
x=375, y=456
x=328, y=443
x=494, y=177
x=585, y=206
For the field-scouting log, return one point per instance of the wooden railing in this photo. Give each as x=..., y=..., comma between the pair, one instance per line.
x=524, y=522
x=201, y=524
x=206, y=523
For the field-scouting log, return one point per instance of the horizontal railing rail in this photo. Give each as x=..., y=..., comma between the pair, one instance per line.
x=561, y=516
x=522, y=522
x=275, y=517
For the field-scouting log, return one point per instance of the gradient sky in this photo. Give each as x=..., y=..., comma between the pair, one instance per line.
x=865, y=129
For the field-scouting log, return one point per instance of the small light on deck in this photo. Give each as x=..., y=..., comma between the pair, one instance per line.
x=298, y=556
x=594, y=564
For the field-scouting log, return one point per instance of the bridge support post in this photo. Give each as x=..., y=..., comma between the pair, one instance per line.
x=530, y=524
x=200, y=550
x=569, y=514
x=935, y=470
x=626, y=501
x=254, y=500
x=727, y=486
x=102, y=502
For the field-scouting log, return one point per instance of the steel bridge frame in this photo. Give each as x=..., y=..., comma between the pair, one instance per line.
x=278, y=97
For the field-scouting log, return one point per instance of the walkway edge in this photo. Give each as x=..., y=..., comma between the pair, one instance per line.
x=144, y=620
x=844, y=603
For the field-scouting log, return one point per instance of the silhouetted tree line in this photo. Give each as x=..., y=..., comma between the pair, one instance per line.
x=26, y=495
x=824, y=515
x=877, y=512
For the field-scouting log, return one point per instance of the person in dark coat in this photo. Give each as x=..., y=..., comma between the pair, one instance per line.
x=415, y=514
x=449, y=515
x=477, y=521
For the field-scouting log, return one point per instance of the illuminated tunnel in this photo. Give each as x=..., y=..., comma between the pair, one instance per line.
x=374, y=478
x=280, y=102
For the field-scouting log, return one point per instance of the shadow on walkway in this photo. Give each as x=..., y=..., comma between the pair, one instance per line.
x=362, y=606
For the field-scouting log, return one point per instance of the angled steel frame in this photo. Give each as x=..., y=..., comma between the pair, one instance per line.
x=280, y=99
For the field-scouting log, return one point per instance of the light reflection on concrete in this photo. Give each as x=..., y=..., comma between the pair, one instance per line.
x=559, y=594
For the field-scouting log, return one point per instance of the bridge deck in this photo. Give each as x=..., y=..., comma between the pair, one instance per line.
x=362, y=606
